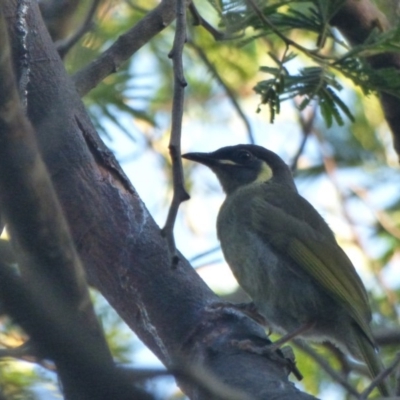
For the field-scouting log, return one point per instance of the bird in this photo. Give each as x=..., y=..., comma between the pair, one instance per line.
x=286, y=257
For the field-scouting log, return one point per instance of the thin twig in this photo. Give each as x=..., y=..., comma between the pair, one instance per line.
x=306, y=124
x=20, y=352
x=204, y=253
x=337, y=377
x=136, y=7
x=285, y=39
x=26, y=352
x=380, y=377
x=228, y=90
x=384, y=220
x=63, y=46
x=180, y=193
x=208, y=263
x=199, y=20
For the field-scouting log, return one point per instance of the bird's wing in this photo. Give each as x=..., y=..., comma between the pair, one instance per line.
x=317, y=254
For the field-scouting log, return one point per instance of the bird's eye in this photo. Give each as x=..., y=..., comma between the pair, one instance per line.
x=243, y=156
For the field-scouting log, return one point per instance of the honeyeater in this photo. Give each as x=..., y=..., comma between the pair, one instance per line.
x=285, y=256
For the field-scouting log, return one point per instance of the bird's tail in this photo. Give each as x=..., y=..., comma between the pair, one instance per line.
x=373, y=362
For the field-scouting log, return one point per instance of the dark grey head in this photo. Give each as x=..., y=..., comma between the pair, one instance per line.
x=244, y=164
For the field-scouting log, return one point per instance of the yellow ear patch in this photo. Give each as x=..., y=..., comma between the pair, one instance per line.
x=265, y=173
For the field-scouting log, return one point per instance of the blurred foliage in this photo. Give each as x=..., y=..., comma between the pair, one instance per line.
x=16, y=379
x=119, y=337
x=19, y=378
x=290, y=54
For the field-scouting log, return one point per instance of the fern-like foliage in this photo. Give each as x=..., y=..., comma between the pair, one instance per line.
x=311, y=83
x=327, y=57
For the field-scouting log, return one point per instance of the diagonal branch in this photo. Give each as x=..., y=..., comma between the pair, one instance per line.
x=335, y=375
x=127, y=44
x=228, y=90
x=199, y=20
x=307, y=125
x=378, y=379
x=180, y=193
x=65, y=45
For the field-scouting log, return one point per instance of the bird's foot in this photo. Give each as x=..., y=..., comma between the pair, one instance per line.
x=283, y=355
x=249, y=309
x=291, y=335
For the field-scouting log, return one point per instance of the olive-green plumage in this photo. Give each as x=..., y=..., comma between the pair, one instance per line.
x=285, y=256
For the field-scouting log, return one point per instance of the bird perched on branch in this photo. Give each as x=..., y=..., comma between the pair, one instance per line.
x=285, y=256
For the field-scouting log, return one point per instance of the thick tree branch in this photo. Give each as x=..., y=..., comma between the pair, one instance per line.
x=356, y=20
x=50, y=263
x=126, y=45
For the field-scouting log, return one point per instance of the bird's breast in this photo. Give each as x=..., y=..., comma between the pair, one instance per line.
x=252, y=261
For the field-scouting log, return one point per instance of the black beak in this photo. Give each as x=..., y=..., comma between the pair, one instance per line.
x=202, y=158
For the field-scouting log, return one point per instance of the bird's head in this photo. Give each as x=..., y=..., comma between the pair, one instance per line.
x=244, y=164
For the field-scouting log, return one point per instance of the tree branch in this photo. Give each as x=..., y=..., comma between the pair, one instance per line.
x=65, y=45
x=180, y=193
x=336, y=376
x=307, y=125
x=380, y=377
x=57, y=300
x=199, y=20
x=127, y=44
x=228, y=90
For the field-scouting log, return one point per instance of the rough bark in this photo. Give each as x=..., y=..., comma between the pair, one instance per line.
x=121, y=247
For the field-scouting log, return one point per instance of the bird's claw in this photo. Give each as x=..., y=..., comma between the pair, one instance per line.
x=283, y=356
